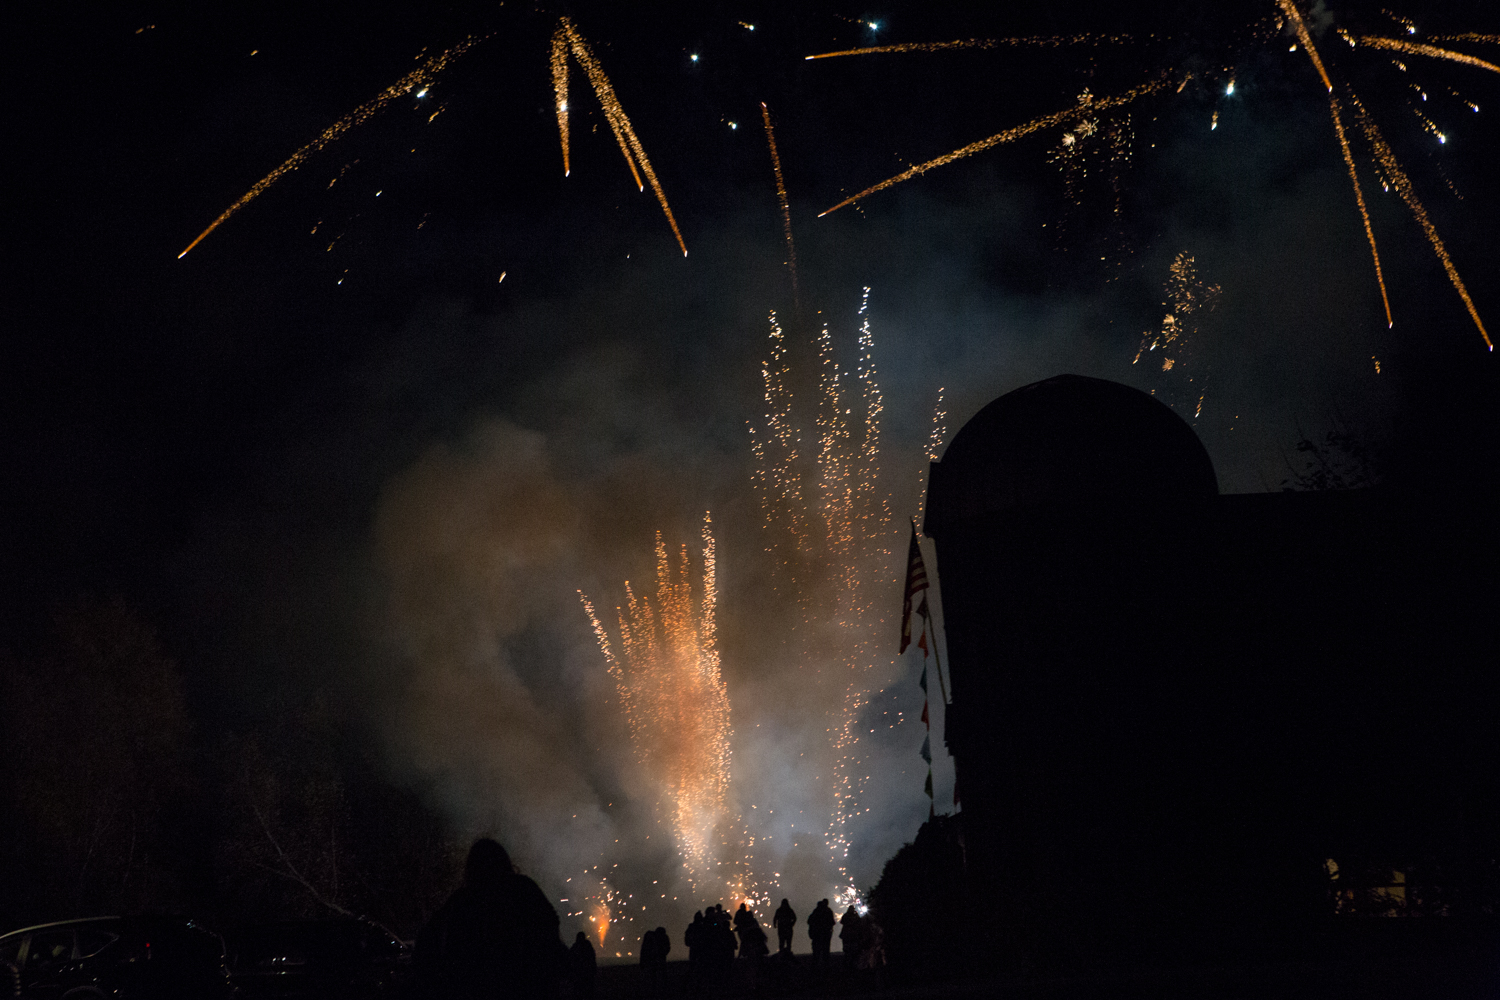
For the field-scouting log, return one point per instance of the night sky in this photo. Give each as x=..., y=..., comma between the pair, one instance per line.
x=330, y=451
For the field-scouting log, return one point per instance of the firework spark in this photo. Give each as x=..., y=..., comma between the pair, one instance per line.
x=1187, y=297
x=1305, y=37
x=614, y=113
x=781, y=199
x=1035, y=41
x=1402, y=184
x=1359, y=200
x=1431, y=51
x=1468, y=37
x=417, y=79
x=560, y=89
x=934, y=446
x=1087, y=105
x=668, y=678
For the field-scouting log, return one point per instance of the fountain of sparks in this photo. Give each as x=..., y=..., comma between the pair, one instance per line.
x=667, y=674
x=829, y=529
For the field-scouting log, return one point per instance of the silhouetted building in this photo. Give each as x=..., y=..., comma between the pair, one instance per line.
x=1172, y=708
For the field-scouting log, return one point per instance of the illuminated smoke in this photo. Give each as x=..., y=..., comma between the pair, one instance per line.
x=630, y=145
x=667, y=675
x=422, y=77
x=1087, y=105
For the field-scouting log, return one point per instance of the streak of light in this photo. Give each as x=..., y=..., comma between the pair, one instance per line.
x=1359, y=199
x=560, y=90
x=630, y=145
x=1289, y=8
x=1039, y=41
x=1087, y=105
x=1431, y=51
x=934, y=445
x=1402, y=184
x=781, y=199
x=417, y=78
x=1468, y=37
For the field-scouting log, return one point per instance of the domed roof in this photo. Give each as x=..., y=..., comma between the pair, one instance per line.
x=1065, y=440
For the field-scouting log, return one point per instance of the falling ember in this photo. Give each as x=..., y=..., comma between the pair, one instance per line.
x=1432, y=51
x=934, y=445
x=786, y=210
x=668, y=679
x=418, y=78
x=1402, y=184
x=614, y=113
x=1038, y=41
x=1086, y=106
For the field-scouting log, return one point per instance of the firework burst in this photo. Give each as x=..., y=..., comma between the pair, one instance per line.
x=1287, y=16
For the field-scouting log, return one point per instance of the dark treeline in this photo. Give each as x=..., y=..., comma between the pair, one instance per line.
x=118, y=798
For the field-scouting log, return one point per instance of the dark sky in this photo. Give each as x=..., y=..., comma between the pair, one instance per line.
x=228, y=439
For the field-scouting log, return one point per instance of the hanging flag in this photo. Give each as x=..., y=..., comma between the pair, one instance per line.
x=922, y=642
x=928, y=787
x=923, y=680
x=924, y=610
x=916, y=582
x=927, y=749
x=924, y=714
x=926, y=613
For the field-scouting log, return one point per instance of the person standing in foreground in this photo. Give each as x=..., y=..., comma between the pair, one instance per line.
x=820, y=929
x=784, y=919
x=495, y=937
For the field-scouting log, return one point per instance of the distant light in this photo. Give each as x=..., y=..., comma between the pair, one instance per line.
x=1411, y=29
x=750, y=26
x=380, y=192
x=1229, y=90
x=734, y=124
x=874, y=25
x=564, y=106
x=422, y=92
x=1442, y=137
x=694, y=57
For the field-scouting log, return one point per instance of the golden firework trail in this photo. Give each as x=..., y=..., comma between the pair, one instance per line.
x=1187, y=296
x=1037, y=41
x=778, y=476
x=560, y=89
x=934, y=445
x=1420, y=49
x=1359, y=199
x=417, y=79
x=1468, y=37
x=614, y=113
x=1305, y=37
x=781, y=199
x=1086, y=106
x=1402, y=184
x=668, y=678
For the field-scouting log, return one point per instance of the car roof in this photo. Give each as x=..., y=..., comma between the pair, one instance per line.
x=59, y=923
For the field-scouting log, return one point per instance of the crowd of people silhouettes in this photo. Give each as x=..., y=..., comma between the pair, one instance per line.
x=497, y=934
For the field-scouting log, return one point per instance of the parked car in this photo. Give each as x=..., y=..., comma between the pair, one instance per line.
x=323, y=959
x=120, y=958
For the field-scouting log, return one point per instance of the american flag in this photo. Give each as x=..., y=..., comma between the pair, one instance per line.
x=916, y=581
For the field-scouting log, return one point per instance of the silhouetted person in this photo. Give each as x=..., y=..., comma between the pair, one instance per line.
x=820, y=930
x=723, y=946
x=784, y=919
x=752, y=935
x=581, y=965
x=693, y=938
x=655, y=945
x=496, y=936
x=852, y=934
